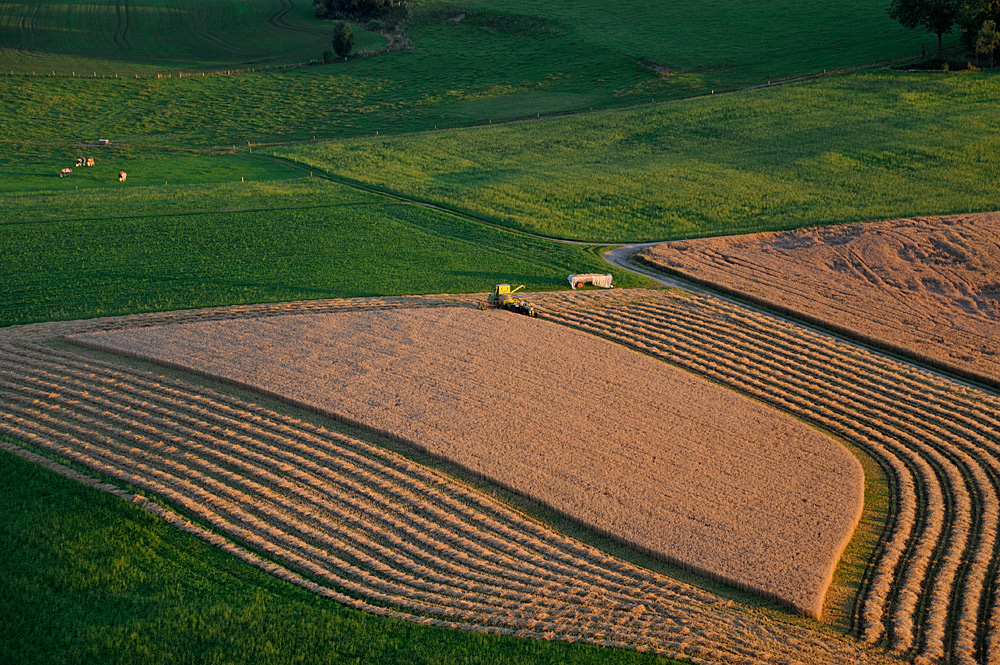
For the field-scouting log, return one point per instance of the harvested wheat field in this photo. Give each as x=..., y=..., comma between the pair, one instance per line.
x=630, y=446
x=931, y=586
x=367, y=527
x=351, y=520
x=929, y=286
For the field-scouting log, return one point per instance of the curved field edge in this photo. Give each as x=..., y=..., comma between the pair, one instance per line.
x=117, y=391
x=512, y=499
x=816, y=536
x=135, y=589
x=845, y=577
x=847, y=584
x=798, y=314
x=940, y=447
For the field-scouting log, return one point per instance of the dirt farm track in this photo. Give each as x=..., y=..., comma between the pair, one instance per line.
x=365, y=526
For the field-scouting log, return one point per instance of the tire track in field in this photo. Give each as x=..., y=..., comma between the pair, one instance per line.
x=28, y=22
x=277, y=19
x=34, y=19
x=931, y=288
x=198, y=22
x=23, y=24
x=118, y=25
x=128, y=23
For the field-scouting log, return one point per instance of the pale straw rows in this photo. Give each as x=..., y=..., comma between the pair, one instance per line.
x=352, y=520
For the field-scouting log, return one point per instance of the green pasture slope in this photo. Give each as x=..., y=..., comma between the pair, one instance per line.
x=849, y=148
x=241, y=230
x=516, y=58
x=126, y=37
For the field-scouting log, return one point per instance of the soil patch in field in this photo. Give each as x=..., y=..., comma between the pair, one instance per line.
x=624, y=443
x=929, y=287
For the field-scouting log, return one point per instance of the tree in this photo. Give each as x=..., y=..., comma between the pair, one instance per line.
x=971, y=16
x=937, y=16
x=343, y=39
x=363, y=7
x=988, y=40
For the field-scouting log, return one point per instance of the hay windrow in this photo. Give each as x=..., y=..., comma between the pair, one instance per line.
x=366, y=527
x=254, y=476
x=938, y=440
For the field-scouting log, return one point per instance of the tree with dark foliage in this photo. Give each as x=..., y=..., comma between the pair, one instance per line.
x=937, y=16
x=359, y=8
x=972, y=15
x=988, y=40
x=343, y=39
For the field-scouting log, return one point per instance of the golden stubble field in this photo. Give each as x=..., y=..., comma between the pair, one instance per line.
x=929, y=286
x=639, y=450
x=356, y=522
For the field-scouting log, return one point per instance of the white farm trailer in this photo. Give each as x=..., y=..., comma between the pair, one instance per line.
x=603, y=281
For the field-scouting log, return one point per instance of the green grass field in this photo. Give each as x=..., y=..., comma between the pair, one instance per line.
x=848, y=148
x=126, y=37
x=515, y=59
x=686, y=36
x=36, y=192
x=210, y=239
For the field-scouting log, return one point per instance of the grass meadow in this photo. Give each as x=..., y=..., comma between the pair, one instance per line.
x=514, y=59
x=126, y=38
x=109, y=248
x=849, y=148
x=34, y=191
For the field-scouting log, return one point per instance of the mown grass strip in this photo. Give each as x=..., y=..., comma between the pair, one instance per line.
x=98, y=252
x=848, y=148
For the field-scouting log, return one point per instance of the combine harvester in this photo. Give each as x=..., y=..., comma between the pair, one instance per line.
x=503, y=298
x=603, y=281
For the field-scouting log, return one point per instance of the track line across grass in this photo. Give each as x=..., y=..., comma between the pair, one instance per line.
x=848, y=148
